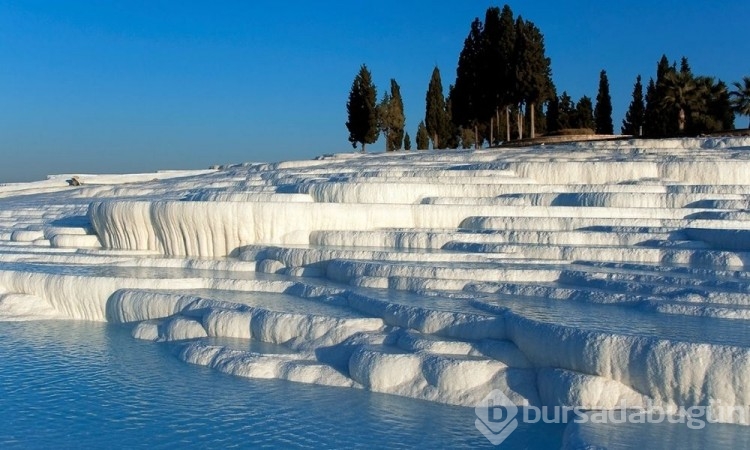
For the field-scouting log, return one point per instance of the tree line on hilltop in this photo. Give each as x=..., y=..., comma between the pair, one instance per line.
x=504, y=91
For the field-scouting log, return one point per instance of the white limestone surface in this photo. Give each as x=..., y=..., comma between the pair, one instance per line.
x=585, y=275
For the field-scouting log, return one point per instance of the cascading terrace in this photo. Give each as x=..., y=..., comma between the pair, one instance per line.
x=571, y=275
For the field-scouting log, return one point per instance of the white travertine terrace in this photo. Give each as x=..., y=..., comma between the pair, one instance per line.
x=575, y=275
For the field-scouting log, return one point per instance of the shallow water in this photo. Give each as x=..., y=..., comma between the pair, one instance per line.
x=90, y=385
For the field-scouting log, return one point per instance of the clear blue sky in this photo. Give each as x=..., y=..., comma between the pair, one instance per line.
x=139, y=85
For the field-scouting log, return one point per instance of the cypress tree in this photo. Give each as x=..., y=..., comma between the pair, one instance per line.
x=584, y=114
x=454, y=133
x=384, y=118
x=423, y=137
x=507, y=46
x=634, y=117
x=436, y=120
x=651, y=118
x=603, y=109
x=685, y=66
x=533, y=80
x=362, y=110
x=398, y=119
x=553, y=115
x=496, y=72
x=665, y=118
x=466, y=95
x=391, y=118
x=566, y=112
x=407, y=142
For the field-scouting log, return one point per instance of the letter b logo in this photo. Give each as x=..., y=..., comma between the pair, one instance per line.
x=496, y=417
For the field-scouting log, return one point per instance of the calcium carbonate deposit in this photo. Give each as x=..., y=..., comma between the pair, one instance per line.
x=586, y=275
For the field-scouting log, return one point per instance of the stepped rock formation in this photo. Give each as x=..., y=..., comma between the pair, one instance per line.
x=574, y=275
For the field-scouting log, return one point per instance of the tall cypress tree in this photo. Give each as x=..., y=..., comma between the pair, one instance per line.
x=665, y=118
x=634, y=117
x=496, y=73
x=423, y=137
x=553, y=115
x=507, y=49
x=533, y=80
x=685, y=66
x=652, y=118
x=436, y=120
x=399, y=119
x=584, y=114
x=603, y=109
x=362, y=110
x=391, y=117
x=407, y=142
x=566, y=112
x=385, y=118
x=466, y=94
x=453, y=137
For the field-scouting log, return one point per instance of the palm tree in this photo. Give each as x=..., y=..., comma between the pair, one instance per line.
x=682, y=93
x=741, y=97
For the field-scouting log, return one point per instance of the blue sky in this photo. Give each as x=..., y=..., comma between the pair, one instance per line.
x=100, y=86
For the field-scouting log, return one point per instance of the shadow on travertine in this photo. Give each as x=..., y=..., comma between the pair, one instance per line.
x=570, y=275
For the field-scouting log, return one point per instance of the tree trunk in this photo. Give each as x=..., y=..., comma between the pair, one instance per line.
x=497, y=121
x=492, y=131
x=681, y=120
x=435, y=143
x=507, y=123
x=520, y=122
x=532, y=120
x=363, y=148
x=476, y=137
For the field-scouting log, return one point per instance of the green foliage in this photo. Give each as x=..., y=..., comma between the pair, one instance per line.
x=566, y=112
x=603, y=109
x=468, y=138
x=553, y=115
x=436, y=118
x=681, y=95
x=533, y=80
x=685, y=66
x=712, y=111
x=399, y=119
x=540, y=119
x=502, y=63
x=407, y=142
x=740, y=97
x=466, y=95
x=634, y=117
x=495, y=71
x=652, y=124
x=660, y=120
x=362, y=110
x=453, y=136
x=391, y=118
x=584, y=114
x=680, y=103
x=423, y=137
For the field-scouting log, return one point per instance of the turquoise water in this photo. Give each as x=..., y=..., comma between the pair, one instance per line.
x=90, y=385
